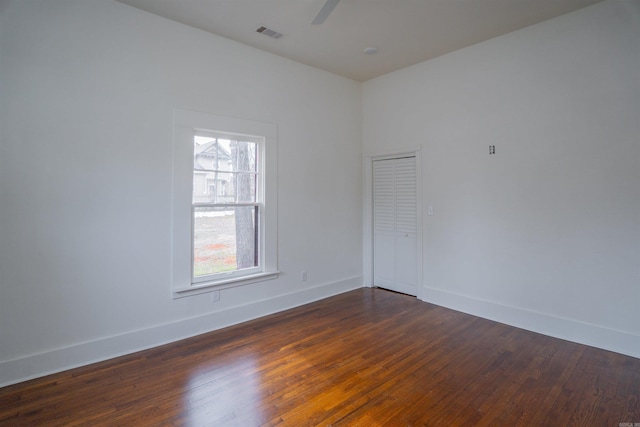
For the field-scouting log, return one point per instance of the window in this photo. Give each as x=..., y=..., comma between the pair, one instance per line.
x=226, y=232
x=224, y=202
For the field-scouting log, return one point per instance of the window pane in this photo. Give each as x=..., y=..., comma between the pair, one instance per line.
x=224, y=239
x=214, y=187
x=224, y=189
x=243, y=155
x=224, y=170
x=245, y=187
x=211, y=154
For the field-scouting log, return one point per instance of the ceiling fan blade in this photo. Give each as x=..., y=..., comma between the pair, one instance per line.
x=325, y=11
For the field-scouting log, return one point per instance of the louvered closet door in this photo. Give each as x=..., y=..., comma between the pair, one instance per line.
x=395, y=225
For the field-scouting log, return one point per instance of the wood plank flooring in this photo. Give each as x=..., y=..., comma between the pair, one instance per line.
x=364, y=358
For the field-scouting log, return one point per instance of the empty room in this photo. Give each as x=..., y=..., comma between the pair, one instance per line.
x=320, y=212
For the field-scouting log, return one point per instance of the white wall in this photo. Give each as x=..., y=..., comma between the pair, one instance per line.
x=87, y=92
x=545, y=234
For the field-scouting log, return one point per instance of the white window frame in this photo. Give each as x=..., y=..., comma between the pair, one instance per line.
x=186, y=125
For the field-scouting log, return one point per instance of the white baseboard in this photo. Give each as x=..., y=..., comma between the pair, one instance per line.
x=38, y=365
x=567, y=329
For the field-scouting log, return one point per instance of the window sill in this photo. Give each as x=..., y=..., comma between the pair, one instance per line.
x=201, y=288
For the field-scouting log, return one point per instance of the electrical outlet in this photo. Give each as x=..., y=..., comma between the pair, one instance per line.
x=303, y=276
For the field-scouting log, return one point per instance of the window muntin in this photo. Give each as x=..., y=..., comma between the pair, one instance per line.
x=226, y=206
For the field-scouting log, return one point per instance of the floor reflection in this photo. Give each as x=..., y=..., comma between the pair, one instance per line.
x=224, y=393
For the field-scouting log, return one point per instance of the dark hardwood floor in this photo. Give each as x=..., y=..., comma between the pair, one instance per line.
x=364, y=358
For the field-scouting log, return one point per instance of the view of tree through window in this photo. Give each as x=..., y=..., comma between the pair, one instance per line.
x=226, y=208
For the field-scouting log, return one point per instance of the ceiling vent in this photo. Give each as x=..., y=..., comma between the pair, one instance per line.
x=268, y=32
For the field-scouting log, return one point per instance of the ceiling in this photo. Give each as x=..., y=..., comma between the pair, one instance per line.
x=405, y=32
